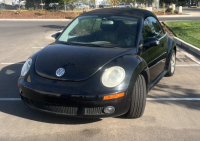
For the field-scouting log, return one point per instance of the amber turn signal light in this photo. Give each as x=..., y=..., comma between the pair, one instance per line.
x=113, y=96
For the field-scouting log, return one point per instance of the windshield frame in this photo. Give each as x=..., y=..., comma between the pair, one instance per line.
x=85, y=15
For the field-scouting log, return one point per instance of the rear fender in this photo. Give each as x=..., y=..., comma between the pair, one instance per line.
x=171, y=45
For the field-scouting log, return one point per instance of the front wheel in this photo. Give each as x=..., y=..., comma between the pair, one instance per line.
x=172, y=64
x=138, y=101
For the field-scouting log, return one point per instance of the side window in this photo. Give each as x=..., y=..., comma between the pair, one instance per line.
x=152, y=28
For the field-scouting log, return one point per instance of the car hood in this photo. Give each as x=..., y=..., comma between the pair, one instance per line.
x=79, y=62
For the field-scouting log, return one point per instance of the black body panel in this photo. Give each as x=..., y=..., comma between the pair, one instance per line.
x=155, y=57
x=79, y=62
x=79, y=92
x=83, y=104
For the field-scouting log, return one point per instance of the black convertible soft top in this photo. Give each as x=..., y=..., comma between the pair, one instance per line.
x=122, y=11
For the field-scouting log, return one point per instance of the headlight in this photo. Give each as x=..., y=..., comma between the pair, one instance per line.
x=113, y=76
x=26, y=67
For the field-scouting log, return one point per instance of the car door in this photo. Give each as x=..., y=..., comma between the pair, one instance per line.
x=154, y=56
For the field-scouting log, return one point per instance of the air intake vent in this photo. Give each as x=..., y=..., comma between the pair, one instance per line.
x=94, y=111
x=55, y=108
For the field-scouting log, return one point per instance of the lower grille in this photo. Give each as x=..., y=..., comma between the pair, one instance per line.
x=94, y=111
x=61, y=109
x=55, y=108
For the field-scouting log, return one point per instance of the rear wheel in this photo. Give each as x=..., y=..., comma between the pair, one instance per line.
x=172, y=64
x=138, y=102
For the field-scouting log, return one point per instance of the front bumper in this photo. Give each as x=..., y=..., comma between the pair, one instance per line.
x=72, y=105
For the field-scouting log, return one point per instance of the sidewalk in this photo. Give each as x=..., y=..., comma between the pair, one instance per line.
x=184, y=15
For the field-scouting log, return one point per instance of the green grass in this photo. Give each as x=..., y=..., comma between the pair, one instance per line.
x=188, y=31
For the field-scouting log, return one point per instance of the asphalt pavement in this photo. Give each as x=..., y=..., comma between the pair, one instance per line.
x=172, y=111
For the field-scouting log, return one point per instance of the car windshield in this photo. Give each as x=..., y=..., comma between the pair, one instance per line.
x=101, y=31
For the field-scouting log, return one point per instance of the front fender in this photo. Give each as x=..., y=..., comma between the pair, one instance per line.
x=133, y=66
x=142, y=68
x=27, y=77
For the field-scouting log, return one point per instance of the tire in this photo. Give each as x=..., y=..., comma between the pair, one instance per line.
x=138, y=101
x=172, y=64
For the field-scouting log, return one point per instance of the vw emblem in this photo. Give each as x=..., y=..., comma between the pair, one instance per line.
x=60, y=72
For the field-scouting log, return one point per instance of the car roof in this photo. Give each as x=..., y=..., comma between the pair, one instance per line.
x=122, y=11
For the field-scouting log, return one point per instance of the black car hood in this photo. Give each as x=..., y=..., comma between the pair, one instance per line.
x=79, y=62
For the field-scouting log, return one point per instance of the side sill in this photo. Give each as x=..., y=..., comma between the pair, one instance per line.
x=157, y=79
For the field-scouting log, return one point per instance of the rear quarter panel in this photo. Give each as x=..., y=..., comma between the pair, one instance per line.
x=171, y=45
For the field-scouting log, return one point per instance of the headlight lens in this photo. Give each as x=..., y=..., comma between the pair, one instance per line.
x=113, y=76
x=26, y=67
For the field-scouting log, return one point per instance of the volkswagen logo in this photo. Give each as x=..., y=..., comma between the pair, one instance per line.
x=60, y=72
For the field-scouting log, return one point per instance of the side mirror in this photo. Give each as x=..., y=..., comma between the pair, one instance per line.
x=151, y=42
x=56, y=35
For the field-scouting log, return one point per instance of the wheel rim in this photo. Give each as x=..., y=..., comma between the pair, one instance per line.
x=173, y=62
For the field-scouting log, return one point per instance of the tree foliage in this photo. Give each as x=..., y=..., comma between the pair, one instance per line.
x=129, y=1
x=177, y=2
x=114, y=2
x=32, y=3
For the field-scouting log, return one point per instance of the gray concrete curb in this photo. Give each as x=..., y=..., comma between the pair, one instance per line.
x=187, y=46
x=36, y=20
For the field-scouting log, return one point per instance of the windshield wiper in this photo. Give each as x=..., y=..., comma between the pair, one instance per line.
x=82, y=44
x=104, y=45
x=110, y=46
x=95, y=45
x=66, y=43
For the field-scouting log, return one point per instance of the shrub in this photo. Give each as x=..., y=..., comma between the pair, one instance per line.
x=154, y=12
x=53, y=10
x=168, y=10
x=72, y=15
x=31, y=9
x=18, y=11
x=23, y=8
x=1, y=11
x=176, y=11
x=41, y=12
x=172, y=12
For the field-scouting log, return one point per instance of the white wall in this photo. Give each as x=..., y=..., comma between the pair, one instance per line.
x=8, y=2
x=97, y=2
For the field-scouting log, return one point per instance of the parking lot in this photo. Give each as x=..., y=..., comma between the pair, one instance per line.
x=172, y=111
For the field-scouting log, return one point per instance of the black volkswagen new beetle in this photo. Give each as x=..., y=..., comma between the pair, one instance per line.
x=102, y=65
